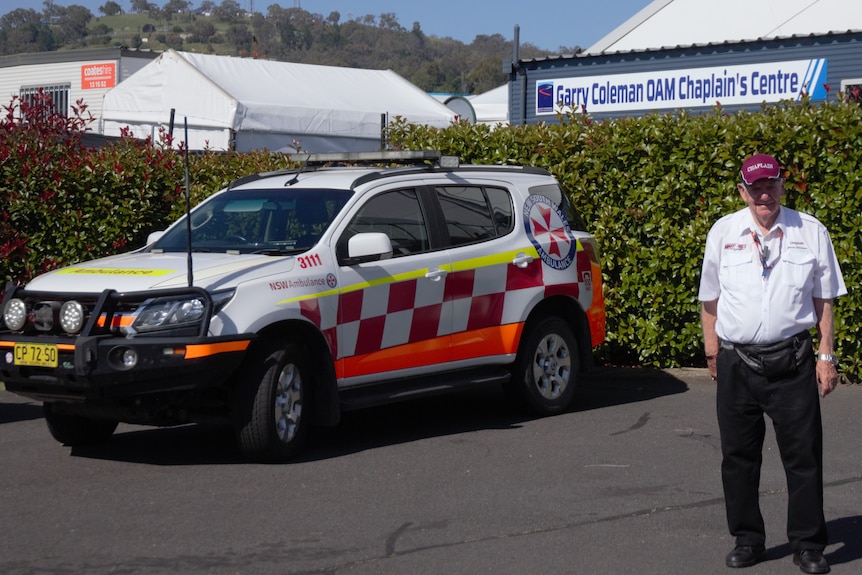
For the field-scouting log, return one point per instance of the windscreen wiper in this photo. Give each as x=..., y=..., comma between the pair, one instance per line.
x=281, y=251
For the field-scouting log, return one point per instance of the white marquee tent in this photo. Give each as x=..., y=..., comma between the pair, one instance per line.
x=245, y=104
x=669, y=23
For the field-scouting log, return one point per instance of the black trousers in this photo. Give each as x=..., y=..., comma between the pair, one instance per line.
x=793, y=405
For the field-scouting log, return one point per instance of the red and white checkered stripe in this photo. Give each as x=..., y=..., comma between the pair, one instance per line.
x=385, y=315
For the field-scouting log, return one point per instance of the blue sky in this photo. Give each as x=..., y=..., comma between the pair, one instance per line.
x=549, y=24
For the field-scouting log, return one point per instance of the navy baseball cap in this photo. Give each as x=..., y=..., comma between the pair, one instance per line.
x=760, y=166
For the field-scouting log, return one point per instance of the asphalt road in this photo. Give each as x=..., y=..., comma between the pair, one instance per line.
x=627, y=482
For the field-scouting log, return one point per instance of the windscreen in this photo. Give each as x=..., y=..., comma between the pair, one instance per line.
x=258, y=221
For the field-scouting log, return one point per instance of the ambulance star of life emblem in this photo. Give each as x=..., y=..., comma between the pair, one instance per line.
x=548, y=230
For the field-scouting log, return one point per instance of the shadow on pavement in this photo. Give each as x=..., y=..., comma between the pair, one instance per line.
x=845, y=545
x=473, y=409
x=607, y=386
x=13, y=411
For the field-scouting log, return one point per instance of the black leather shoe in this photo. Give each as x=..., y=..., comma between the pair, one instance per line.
x=810, y=561
x=745, y=555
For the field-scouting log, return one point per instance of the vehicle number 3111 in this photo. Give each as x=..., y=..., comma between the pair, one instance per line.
x=310, y=261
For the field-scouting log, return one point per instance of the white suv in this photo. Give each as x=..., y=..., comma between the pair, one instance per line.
x=289, y=297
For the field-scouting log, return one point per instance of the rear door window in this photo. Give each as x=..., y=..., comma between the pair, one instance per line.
x=475, y=213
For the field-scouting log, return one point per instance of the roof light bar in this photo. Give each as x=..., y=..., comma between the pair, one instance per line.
x=392, y=157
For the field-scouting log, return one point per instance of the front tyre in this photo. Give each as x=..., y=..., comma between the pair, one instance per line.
x=72, y=429
x=272, y=407
x=545, y=374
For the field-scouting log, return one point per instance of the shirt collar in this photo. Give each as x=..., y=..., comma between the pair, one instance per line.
x=747, y=224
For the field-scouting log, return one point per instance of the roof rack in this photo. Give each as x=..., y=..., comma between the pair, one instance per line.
x=313, y=162
x=407, y=157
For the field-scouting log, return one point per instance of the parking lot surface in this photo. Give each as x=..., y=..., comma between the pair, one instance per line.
x=626, y=482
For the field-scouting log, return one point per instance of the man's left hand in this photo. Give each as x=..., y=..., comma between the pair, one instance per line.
x=827, y=377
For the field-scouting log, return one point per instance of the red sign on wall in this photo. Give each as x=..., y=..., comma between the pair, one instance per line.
x=98, y=76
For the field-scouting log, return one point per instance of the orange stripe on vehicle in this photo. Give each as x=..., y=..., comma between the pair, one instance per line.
x=596, y=314
x=496, y=340
x=206, y=349
x=419, y=354
x=60, y=346
x=118, y=321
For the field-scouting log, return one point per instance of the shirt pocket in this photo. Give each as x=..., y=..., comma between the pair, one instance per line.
x=739, y=270
x=799, y=274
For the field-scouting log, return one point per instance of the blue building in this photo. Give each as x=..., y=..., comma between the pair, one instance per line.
x=803, y=49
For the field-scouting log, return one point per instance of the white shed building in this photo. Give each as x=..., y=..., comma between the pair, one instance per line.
x=69, y=75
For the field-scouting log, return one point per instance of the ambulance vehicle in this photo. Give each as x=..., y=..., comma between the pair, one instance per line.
x=289, y=297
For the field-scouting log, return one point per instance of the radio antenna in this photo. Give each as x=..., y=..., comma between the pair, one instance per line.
x=188, y=206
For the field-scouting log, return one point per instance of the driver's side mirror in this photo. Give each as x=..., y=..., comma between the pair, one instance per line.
x=154, y=237
x=367, y=247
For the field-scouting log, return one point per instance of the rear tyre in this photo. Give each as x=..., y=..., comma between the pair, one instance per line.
x=273, y=403
x=72, y=429
x=545, y=373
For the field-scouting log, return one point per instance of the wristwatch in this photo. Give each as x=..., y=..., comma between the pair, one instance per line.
x=828, y=357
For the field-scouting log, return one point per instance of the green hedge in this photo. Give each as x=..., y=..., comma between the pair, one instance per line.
x=649, y=187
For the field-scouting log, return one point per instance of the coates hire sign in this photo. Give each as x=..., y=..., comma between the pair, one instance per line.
x=724, y=85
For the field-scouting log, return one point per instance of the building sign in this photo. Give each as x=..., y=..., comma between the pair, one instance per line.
x=685, y=88
x=98, y=76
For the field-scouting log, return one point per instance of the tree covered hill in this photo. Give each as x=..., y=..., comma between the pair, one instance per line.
x=287, y=34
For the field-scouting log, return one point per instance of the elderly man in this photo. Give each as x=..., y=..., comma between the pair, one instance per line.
x=769, y=276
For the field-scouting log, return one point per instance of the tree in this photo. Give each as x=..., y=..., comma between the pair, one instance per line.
x=389, y=21
x=428, y=77
x=141, y=6
x=177, y=6
x=73, y=21
x=23, y=30
x=227, y=11
x=111, y=8
x=201, y=31
x=240, y=38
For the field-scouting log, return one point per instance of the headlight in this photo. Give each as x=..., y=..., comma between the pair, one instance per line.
x=72, y=317
x=169, y=312
x=15, y=314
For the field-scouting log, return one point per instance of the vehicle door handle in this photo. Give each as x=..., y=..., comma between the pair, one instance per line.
x=522, y=260
x=435, y=275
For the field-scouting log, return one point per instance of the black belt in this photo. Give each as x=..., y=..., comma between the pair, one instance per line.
x=761, y=348
x=773, y=359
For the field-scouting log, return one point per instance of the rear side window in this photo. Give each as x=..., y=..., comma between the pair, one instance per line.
x=474, y=213
x=554, y=193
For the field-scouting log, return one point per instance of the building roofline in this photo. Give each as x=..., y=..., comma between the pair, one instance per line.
x=587, y=55
x=84, y=54
x=627, y=27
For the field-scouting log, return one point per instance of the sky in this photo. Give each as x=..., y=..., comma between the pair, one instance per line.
x=549, y=25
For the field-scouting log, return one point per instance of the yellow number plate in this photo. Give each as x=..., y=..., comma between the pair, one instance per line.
x=36, y=354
